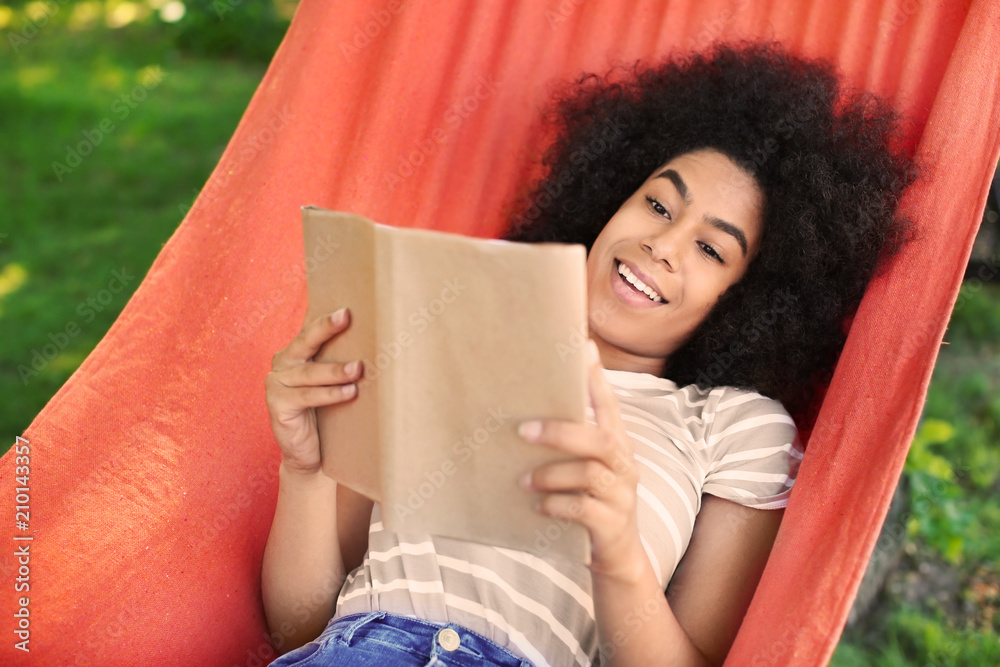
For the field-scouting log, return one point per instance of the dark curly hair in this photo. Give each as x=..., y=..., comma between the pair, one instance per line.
x=828, y=161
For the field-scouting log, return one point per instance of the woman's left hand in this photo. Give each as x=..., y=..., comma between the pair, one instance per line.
x=596, y=488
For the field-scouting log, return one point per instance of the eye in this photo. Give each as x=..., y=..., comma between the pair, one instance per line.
x=658, y=208
x=711, y=252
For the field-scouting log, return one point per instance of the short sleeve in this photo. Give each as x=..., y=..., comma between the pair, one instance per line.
x=753, y=449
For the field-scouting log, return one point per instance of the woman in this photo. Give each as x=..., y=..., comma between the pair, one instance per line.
x=733, y=219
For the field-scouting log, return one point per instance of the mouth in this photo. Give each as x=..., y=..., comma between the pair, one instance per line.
x=631, y=285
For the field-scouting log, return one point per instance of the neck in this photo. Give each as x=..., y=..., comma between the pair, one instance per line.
x=617, y=359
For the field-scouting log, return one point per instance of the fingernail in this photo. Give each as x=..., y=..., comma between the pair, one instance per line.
x=349, y=390
x=338, y=316
x=593, y=356
x=351, y=368
x=530, y=430
x=526, y=481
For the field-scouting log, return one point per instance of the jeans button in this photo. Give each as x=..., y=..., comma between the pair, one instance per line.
x=449, y=639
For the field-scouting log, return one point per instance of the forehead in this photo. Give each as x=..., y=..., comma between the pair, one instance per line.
x=711, y=167
x=710, y=176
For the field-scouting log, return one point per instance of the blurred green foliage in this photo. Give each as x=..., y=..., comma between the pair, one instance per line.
x=250, y=30
x=247, y=30
x=912, y=638
x=935, y=495
x=953, y=524
x=975, y=322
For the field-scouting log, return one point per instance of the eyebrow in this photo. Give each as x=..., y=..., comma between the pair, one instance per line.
x=678, y=182
x=731, y=229
x=718, y=223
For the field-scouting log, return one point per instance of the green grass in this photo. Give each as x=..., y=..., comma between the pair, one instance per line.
x=62, y=240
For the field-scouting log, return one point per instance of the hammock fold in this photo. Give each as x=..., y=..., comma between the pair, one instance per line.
x=153, y=469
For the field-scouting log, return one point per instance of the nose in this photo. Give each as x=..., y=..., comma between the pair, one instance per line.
x=666, y=245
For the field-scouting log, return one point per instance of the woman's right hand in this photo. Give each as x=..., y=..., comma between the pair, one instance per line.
x=297, y=385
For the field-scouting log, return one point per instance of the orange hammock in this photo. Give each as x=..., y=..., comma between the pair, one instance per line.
x=153, y=470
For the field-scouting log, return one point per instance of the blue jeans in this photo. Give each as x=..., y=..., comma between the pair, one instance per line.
x=381, y=639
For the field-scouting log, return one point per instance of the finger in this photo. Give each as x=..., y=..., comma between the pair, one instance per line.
x=316, y=374
x=607, y=414
x=312, y=337
x=314, y=397
x=577, y=440
x=287, y=390
x=582, y=508
x=579, y=475
x=292, y=400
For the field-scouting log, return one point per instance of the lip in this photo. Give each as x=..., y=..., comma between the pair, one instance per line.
x=641, y=276
x=627, y=293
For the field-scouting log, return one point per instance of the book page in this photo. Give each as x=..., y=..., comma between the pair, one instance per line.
x=484, y=335
x=462, y=340
x=340, y=270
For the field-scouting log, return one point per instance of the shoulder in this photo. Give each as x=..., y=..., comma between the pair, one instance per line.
x=745, y=443
x=731, y=410
x=752, y=449
x=711, y=411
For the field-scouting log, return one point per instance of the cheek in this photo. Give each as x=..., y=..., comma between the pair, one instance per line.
x=601, y=241
x=597, y=255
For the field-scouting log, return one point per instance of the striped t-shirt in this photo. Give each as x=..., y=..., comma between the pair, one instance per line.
x=731, y=443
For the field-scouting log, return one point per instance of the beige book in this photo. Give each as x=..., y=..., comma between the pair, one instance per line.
x=462, y=339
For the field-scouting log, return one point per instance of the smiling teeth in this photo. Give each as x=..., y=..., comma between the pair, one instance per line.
x=638, y=284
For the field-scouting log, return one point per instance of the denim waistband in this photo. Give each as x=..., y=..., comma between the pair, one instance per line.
x=449, y=644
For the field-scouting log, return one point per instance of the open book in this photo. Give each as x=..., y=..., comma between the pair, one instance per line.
x=462, y=339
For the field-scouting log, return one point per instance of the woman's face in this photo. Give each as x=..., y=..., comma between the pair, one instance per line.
x=684, y=237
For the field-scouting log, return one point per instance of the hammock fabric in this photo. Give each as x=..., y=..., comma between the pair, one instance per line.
x=153, y=470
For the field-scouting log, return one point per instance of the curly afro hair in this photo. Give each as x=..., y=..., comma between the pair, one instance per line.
x=827, y=161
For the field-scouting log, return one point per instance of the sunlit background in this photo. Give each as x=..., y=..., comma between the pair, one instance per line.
x=112, y=115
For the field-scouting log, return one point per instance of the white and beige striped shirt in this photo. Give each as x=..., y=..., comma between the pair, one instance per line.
x=731, y=443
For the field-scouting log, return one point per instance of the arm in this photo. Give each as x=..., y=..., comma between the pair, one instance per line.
x=637, y=624
x=712, y=588
x=317, y=533
x=708, y=595
x=303, y=568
